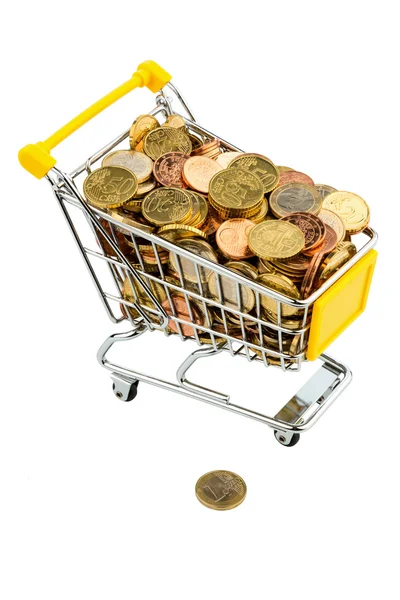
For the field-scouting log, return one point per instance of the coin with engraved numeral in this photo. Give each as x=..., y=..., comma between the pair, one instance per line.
x=260, y=166
x=166, y=205
x=276, y=239
x=166, y=139
x=221, y=490
x=352, y=209
x=110, y=187
x=236, y=192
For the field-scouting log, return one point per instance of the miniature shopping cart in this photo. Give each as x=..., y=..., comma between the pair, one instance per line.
x=101, y=240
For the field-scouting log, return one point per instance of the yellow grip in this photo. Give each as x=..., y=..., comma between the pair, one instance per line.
x=36, y=158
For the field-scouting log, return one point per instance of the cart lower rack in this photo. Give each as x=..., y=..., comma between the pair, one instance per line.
x=106, y=245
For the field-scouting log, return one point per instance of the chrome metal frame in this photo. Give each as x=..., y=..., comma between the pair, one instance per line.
x=303, y=410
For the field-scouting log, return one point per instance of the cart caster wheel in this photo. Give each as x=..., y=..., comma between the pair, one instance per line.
x=287, y=439
x=126, y=395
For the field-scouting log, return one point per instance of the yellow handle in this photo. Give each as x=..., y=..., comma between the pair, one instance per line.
x=36, y=158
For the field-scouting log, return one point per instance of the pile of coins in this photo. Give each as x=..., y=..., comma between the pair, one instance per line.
x=269, y=223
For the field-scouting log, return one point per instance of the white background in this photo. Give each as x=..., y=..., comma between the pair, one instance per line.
x=97, y=497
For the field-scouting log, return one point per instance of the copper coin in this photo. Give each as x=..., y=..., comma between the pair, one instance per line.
x=168, y=169
x=206, y=147
x=181, y=311
x=327, y=245
x=198, y=172
x=232, y=237
x=294, y=177
x=309, y=277
x=212, y=222
x=312, y=227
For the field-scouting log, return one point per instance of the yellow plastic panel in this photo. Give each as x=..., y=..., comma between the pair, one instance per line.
x=335, y=310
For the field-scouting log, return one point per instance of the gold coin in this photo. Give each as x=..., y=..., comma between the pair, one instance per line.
x=283, y=285
x=324, y=190
x=137, y=162
x=188, y=266
x=336, y=259
x=199, y=209
x=132, y=291
x=110, y=187
x=295, y=197
x=221, y=490
x=283, y=169
x=276, y=239
x=126, y=219
x=139, y=129
x=243, y=267
x=196, y=141
x=174, y=121
x=225, y=158
x=260, y=166
x=236, y=192
x=145, y=187
x=332, y=219
x=166, y=139
x=166, y=205
x=228, y=289
x=262, y=213
x=175, y=231
x=352, y=209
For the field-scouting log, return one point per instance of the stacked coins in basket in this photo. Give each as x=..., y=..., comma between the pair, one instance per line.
x=272, y=224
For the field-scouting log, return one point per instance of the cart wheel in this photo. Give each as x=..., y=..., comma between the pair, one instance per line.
x=132, y=393
x=286, y=439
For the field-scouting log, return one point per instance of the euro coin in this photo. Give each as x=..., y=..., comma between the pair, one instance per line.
x=335, y=260
x=133, y=291
x=276, y=239
x=175, y=121
x=110, y=187
x=168, y=169
x=352, y=209
x=184, y=310
x=166, y=139
x=200, y=208
x=324, y=190
x=311, y=273
x=125, y=218
x=260, y=166
x=236, y=192
x=295, y=197
x=166, y=205
x=261, y=214
x=283, y=285
x=221, y=490
x=328, y=244
x=312, y=227
x=187, y=266
x=232, y=237
x=333, y=220
x=140, y=128
x=224, y=290
x=294, y=177
x=225, y=158
x=244, y=268
x=198, y=172
x=137, y=162
x=175, y=231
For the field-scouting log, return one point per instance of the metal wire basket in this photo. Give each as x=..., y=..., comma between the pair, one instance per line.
x=115, y=252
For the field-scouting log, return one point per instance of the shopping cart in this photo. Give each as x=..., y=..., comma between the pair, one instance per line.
x=107, y=246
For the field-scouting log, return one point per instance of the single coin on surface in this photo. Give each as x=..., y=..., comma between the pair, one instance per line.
x=221, y=490
x=295, y=197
